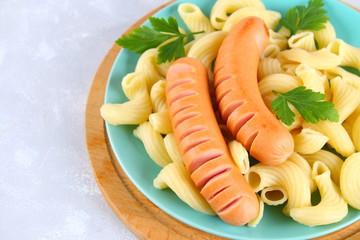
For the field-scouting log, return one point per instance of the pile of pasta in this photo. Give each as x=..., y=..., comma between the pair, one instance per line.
x=287, y=62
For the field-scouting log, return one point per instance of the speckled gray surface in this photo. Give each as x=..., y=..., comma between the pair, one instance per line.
x=49, y=52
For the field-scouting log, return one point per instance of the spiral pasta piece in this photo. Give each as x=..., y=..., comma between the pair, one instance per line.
x=153, y=143
x=350, y=55
x=290, y=67
x=206, y=48
x=239, y=155
x=279, y=82
x=345, y=97
x=271, y=18
x=333, y=162
x=271, y=51
x=339, y=138
x=305, y=166
x=274, y=195
x=304, y=40
x=133, y=85
x=348, y=77
x=332, y=207
x=309, y=141
x=269, y=66
x=147, y=65
x=135, y=111
x=256, y=220
x=278, y=39
x=176, y=177
x=311, y=78
x=321, y=59
x=350, y=180
x=161, y=122
x=287, y=175
x=223, y=8
x=157, y=96
x=356, y=133
x=172, y=148
x=195, y=19
x=324, y=36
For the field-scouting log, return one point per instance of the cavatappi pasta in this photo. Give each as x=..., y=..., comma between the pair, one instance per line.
x=240, y=156
x=350, y=180
x=313, y=59
x=309, y=141
x=304, y=40
x=289, y=176
x=274, y=195
x=195, y=19
x=223, y=8
x=324, y=36
x=271, y=18
x=331, y=160
x=332, y=207
x=302, y=163
x=176, y=177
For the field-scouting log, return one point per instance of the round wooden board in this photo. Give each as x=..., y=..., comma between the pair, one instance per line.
x=141, y=216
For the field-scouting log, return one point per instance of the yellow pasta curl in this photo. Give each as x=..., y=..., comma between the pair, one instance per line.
x=161, y=122
x=303, y=40
x=176, y=177
x=271, y=18
x=256, y=220
x=311, y=77
x=172, y=148
x=350, y=180
x=332, y=207
x=348, y=77
x=305, y=166
x=268, y=66
x=350, y=55
x=206, y=48
x=274, y=195
x=309, y=141
x=195, y=19
x=355, y=133
x=157, y=96
x=345, y=97
x=339, y=138
x=153, y=143
x=278, y=39
x=239, y=155
x=321, y=59
x=223, y=8
x=287, y=175
x=333, y=162
x=147, y=64
x=324, y=36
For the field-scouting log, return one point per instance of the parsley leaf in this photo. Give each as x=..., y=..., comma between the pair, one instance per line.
x=144, y=38
x=309, y=104
x=174, y=49
x=161, y=25
x=141, y=39
x=311, y=17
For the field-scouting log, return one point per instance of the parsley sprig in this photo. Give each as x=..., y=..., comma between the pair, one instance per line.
x=309, y=104
x=311, y=17
x=164, y=34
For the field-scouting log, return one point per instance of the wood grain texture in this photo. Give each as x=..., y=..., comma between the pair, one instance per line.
x=140, y=215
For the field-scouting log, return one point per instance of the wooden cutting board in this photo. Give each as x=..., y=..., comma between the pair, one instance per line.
x=141, y=216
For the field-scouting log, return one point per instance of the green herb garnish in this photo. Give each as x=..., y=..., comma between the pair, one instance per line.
x=164, y=34
x=311, y=17
x=309, y=104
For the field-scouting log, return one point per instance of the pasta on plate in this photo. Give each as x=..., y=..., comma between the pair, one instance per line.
x=313, y=59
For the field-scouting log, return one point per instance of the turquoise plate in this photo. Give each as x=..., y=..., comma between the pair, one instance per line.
x=142, y=170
